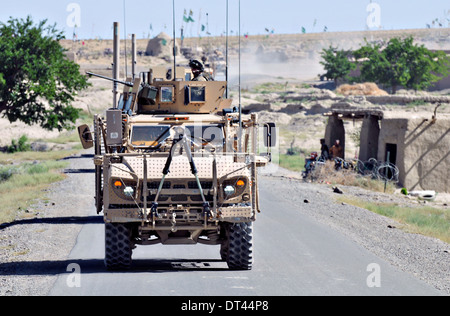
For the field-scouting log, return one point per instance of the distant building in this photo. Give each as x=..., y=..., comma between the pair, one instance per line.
x=161, y=46
x=418, y=145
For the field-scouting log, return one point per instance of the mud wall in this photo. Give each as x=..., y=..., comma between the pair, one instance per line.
x=370, y=133
x=423, y=151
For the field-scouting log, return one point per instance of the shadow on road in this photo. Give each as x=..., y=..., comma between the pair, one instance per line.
x=82, y=220
x=79, y=171
x=78, y=156
x=92, y=266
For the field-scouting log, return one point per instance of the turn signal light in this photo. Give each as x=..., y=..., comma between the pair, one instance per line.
x=118, y=183
x=240, y=183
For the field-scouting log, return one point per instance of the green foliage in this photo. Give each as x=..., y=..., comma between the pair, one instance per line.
x=6, y=173
x=292, y=162
x=19, y=145
x=22, y=184
x=43, y=167
x=336, y=63
x=400, y=62
x=34, y=69
x=423, y=220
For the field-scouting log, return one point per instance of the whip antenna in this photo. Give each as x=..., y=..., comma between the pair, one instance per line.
x=174, y=45
x=226, y=54
x=126, y=36
x=240, y=105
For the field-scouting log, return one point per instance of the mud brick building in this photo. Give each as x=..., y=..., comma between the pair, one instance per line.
x=417, y=143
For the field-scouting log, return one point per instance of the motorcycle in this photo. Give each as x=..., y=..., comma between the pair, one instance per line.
x=310, y=164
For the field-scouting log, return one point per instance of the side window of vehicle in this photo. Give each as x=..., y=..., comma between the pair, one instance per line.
x=166, y=95
x=198, y=94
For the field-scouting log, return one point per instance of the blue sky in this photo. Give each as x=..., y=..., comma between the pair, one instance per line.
x=282, y=16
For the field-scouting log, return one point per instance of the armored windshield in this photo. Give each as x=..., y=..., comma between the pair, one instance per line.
x=154, y=135
x=206, y=133
x=149, y=136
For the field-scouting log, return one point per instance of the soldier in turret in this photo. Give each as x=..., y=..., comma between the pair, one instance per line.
x=199, y=71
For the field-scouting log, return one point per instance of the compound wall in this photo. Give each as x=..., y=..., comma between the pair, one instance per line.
x=422, y=150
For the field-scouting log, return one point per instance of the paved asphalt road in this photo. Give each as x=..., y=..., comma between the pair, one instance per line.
x=294, y=255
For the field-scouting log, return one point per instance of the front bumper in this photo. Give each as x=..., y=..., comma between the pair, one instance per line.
x=183, y=216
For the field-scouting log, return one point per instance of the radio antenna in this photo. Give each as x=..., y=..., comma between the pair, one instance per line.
x=174, y=45
x=240, y=105
x=126, y=36
x=226, y=54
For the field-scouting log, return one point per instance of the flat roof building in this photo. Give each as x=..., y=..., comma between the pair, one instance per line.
x=417, y=143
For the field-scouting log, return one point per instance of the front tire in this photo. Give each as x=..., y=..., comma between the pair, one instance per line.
x=118, y=246
x=237, y=249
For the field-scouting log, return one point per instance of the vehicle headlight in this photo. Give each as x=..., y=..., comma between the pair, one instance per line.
x=234, y=187
x=229, y=190
x=124, y=189
x=128, y=191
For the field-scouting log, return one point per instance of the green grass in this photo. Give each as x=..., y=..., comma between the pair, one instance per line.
x=292, y=162
x=26, y=175
x=23, y=183
x=21, y=157
x=427, y=221
x=270, y=87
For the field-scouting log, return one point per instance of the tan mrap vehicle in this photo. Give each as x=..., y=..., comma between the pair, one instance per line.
x=174, y=164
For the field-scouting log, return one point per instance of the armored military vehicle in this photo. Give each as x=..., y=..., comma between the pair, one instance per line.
x=175, y=164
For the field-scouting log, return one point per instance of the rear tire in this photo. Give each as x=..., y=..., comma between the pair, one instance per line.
x=237, y=249
x=118, y=246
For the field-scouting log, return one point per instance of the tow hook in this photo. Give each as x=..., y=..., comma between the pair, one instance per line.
x=174, y=222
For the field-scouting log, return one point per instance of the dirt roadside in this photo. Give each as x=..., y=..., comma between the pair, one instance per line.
x=34, y=249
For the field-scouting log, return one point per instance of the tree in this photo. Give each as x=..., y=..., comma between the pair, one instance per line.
x=400, y=62
x=336, y=63
x=37, y=81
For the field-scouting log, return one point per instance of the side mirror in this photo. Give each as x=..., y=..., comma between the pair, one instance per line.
x=85, y=136
x=270, y=135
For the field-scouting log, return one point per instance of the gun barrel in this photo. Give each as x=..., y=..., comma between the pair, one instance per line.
x=129, y=84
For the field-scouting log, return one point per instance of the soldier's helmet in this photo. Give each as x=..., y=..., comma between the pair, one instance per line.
x=195, y=64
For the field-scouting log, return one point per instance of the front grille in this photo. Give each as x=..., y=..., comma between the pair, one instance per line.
x=179, y=198
x=155, y=185
x=204, y=184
